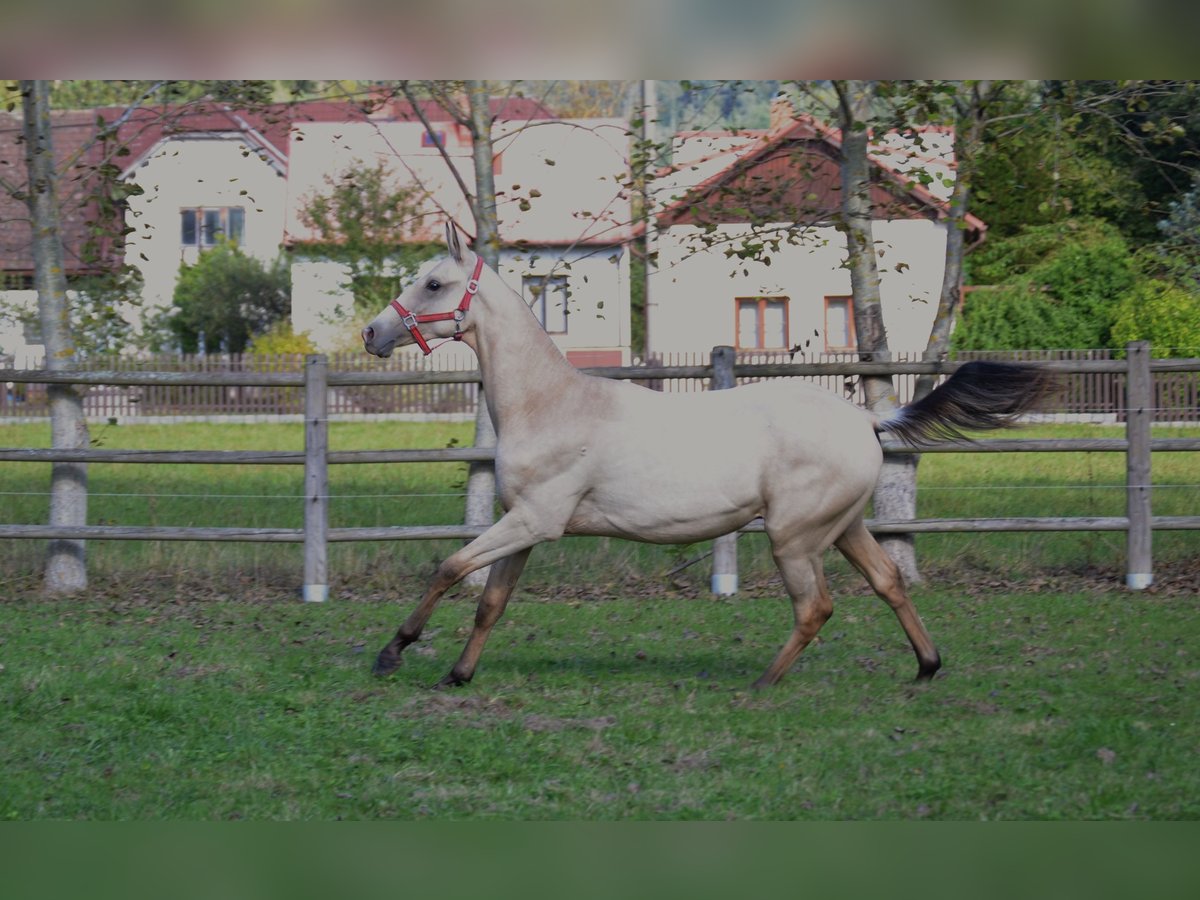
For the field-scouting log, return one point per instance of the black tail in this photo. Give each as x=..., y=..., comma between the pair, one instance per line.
x=978, y=396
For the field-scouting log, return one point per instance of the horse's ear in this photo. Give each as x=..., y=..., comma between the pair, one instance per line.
x=452, y=242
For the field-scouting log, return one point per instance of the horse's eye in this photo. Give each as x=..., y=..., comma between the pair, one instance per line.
x=434, y=284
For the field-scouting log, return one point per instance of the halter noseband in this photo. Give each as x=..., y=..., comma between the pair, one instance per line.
x=411, y=321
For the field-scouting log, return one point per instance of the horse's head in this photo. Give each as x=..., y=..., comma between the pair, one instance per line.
x=433, y=306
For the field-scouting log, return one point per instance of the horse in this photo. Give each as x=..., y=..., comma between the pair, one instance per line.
x=578, y=454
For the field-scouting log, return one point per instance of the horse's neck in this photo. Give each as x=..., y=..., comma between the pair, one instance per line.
x=522, y=368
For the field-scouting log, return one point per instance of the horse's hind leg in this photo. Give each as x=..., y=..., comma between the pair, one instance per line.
x=811, y=603
x=859, y=546
x=500, y=584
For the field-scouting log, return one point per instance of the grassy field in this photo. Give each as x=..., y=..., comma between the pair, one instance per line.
x=188, y=683
x=1051, y=706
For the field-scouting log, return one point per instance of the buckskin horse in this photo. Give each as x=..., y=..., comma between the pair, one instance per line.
x=582, y=455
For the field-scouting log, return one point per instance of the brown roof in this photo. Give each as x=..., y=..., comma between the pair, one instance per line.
x=84, y=159
x=791, y=174
x=72, y=135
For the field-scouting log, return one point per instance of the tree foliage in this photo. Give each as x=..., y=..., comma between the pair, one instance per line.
x=1178, y=251
x=88, y=94
x=1150, y=132
x=225, y=299
x=1050, y=286
x=1041, y=164
x=100, y=310
x=1166, y=315
x=369, y=221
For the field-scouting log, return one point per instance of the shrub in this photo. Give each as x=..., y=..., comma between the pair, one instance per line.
x=1166, y=315
x=279, y=339
x=1051, y=286
x=226, y=298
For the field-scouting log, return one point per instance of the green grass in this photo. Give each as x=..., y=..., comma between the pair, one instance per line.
x=1051, y=706
x=188, y=683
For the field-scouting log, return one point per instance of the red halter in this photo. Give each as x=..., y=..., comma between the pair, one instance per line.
x=411, y=321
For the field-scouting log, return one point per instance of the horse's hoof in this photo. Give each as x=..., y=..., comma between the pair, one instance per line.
x=386, y=664
x=926, y=673
x=450, y=681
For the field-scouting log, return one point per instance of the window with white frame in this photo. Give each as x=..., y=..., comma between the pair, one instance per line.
x=762, y=323
x=839, y=324
x=547, y=297
x=205, y=226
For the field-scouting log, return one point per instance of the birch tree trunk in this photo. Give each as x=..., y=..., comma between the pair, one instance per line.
x=66, y=571
x=481, y=478
x=896, y=490
x=970, y=104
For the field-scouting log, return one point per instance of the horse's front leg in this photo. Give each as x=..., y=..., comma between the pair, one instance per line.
x=500, y=585
x=509, y=536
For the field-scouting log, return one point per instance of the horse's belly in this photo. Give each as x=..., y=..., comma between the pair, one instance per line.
x=663, y=516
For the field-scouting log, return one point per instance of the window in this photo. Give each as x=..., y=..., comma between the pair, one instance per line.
x=762, y=323
x=547, y=297
x=435, y=139
x=203, y=227
x=839, y=324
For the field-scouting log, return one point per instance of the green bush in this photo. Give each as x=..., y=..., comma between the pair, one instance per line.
x=226, y=298
x=1166, y=315
x=280, y=338
x=1051, y=286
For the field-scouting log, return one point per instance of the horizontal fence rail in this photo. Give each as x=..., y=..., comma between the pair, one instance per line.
x=317, y=385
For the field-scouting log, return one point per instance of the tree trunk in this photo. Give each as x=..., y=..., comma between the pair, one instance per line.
x=481, y=478
x=970, y=101
x=895, y=492
x=66, y=571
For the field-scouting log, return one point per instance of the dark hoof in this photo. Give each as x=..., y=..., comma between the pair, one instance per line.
x=386, y=663
x=926, y=672
x=451, y=681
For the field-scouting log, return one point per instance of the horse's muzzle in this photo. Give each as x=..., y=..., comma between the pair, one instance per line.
x=383, y=351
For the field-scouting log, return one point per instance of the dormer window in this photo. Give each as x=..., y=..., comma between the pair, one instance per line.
x=205, y=226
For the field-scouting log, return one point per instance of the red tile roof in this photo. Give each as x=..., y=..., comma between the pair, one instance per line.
x=80, y=154
x=791, y=174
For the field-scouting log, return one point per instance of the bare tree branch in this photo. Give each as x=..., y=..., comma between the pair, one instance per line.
x=406, y=87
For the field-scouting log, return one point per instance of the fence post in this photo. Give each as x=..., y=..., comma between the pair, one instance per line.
x=1139, y=409
x=316, y=478
x=725, y=563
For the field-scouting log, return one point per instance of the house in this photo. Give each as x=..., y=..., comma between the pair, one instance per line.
x=207, y=172
x=200, y=172
x=748, y=254
x=78, y=156
x=564, y=217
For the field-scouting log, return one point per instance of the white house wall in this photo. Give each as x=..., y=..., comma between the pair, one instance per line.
x=14, y=349
x=555, y=180
x=212, y=171
x=598, y=286
x=692, y=292
x=320, y=302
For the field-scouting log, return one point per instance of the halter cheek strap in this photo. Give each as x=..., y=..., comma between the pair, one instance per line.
x=412, y=321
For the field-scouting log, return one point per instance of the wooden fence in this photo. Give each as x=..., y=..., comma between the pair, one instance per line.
x=317, y=384
x=1092, y=394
